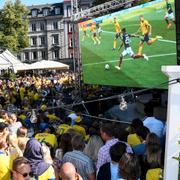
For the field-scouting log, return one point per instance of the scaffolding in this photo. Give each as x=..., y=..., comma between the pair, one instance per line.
x=97, y=10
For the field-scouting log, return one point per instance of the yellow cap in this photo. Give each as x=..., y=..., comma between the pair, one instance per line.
x=43, y=107
x=78, y=119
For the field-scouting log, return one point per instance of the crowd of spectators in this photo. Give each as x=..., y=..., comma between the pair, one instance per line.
x=40, y=139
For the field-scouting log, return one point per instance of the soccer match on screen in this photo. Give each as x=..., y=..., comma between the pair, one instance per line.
x=128, y=47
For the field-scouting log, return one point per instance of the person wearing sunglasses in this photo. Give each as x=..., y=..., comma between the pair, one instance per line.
x=21, y=169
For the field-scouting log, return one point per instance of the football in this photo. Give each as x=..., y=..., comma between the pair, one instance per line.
x=107, y=67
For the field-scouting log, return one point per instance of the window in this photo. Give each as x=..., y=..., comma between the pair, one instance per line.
x=71, y=43
x=43, y=40
x=56, y=39
x=42, y=26
x=34, y=12
x=56, y=54
x=34, y=55
x=26, y=55
x=71, y=55
x=69, y=28
x=68, y=11
x=45, y=12
x=33, y=27
x=57, y=10
x=33, y=41
x=55, y=25
x=43, y=54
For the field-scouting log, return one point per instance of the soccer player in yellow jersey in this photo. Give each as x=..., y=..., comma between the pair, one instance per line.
x=84, y=30
x=118, y=32
x=94, y=35
x=146, y=29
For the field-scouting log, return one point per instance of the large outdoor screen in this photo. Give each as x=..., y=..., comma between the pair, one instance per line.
x=128, y=47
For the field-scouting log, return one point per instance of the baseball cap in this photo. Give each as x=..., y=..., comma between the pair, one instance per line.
x=78, y=119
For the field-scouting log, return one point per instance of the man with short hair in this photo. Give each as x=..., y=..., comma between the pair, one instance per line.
x=107, y=134
x=68, y=172
x=154, y=125
x=21, y=169
x=82, y=162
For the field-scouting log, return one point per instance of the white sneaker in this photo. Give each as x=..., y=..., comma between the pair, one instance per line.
x=117, y=67
x=145, y=57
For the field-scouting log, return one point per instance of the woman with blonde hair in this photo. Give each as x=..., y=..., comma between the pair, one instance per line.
x=152, y=159
x=94, y=144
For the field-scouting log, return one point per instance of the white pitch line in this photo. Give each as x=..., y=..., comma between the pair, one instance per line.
x=162, y=40
x=165, y=40
x=128, y=59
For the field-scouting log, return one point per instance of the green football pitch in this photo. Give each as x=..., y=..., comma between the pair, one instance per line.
x=133, y=73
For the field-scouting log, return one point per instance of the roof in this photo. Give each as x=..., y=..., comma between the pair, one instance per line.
x=42, y=6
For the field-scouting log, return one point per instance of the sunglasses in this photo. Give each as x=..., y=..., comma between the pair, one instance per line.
x=26, y=174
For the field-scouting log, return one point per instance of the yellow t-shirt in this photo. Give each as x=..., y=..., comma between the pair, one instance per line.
x=52, y=117
x=36, y=97
x=92, y=29
x=144, y=27
x=6, y=166
x=154, y=174
x=22, y=116
x=47, y=137
x=21, y=92
x=84, y=29
x=80, y=130
x=49, y=174
x=133, y=139
x=117, y=27
x=63, y=128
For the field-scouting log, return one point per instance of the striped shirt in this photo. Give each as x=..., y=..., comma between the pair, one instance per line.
x=104, y=155
x=82, y=163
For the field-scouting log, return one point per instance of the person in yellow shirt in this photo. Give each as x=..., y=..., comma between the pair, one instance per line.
x=94, y=35
x=63, y=128
x=22, y=91
x=79, y=128
x=118, y=32
x=146, y=29
x=84, y=30
x=47, y=137
x=133, y=139
x=154, y=174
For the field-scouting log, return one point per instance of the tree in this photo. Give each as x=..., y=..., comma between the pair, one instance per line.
x=14, y=26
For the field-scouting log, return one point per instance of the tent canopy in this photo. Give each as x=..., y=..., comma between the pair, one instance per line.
x=8, y=60
x=44, y=64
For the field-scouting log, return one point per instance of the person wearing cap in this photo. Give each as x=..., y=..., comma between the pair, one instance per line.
x=79, y=128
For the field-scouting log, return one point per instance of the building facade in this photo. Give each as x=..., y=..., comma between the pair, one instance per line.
x=50, y=32
x=46, y=33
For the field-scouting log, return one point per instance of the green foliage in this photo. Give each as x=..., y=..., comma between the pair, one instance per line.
x=14, y=26
x=9, y=75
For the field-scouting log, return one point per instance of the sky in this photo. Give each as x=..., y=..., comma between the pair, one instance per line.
x=32, y=2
